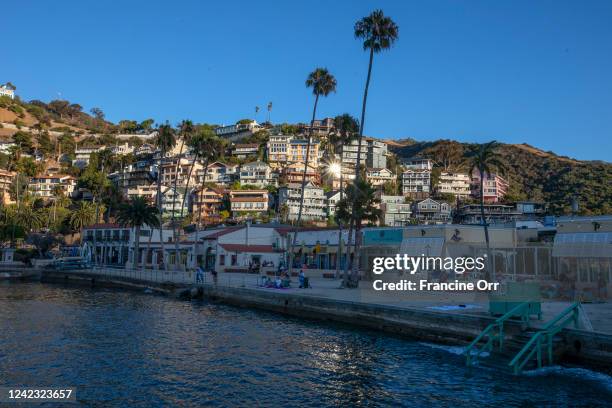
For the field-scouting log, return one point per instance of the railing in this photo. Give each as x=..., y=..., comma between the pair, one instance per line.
x=522, y=310
x=545, y=337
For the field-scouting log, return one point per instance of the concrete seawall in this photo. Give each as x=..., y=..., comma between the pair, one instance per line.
x=590, y=349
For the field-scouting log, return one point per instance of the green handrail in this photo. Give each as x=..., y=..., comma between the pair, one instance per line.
x=521, y=308
x=547, y=333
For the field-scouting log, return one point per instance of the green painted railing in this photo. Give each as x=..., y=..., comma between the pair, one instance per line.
x=495, y=331
x=544, y=337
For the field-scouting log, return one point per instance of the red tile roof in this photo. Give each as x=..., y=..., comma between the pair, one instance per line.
x=248, y=248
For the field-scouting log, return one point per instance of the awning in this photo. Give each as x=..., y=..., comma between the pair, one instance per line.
x=583, y=245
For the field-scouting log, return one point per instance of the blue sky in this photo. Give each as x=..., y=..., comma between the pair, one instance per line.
x=516, y=71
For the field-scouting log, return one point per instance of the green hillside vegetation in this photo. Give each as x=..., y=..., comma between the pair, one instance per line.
x=533, y=174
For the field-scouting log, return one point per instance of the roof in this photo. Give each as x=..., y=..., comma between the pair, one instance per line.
x=223, y=231
x=246, y=146
x=248, y=248
x=104, y=225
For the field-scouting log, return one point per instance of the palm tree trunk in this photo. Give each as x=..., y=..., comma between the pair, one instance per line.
x=159, y=208
x=485, y=224
x=339, y=252
x=355, y=262
x=174, y=234
x=299, y=218
x=349, y=261
x=195, y=241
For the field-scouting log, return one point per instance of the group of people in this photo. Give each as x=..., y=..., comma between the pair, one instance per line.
x=283, y=280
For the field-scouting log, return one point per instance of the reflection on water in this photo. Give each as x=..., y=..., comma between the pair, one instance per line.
x=121, y=347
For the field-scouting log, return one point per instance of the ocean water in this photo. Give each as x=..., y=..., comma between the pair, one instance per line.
x=125, y=348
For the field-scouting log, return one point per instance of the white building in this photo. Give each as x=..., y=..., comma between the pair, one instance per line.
x=171, y=203
x=248, y=201
x=430, y=211
x=257, y=174
x=6, y=91
x=315, y=202
x=123, y=149
x=373, y=153
x=416, y=183
x=43, y=186
x=457, y=184
x=333, y=197
x=83, y=154
x=238, y=131
x=379, y=176
x=418, y=163
x=288, y=149
x=396, y=211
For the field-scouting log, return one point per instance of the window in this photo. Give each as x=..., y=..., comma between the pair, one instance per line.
x=222, y=260
x=234, y=259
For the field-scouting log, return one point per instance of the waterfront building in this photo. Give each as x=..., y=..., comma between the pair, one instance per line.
x=396, y=211
x=430, y=211
x=379, y=176
x=238, y=131
x=457, y=184
x=315, y=205
x=416, y=183
x=257, y=174
x=6, y=179
x=244, y=202
x=206, y=204
x=494, y=214
x=495, y=187
x=245, y=150
x=43, y=186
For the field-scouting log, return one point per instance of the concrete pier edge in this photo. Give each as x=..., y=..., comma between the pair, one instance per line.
x=587, y=349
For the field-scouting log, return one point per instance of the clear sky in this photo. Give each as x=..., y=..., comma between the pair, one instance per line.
x=538, y=72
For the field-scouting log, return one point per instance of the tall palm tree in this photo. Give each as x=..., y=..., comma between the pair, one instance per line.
x=485, y=160
x=212, y=148
x=322, y=83
x=134, y=214
x=165, y=141
x=359, y=204
x=198, y=146
x=345, y=131
x=378, y=33
x=185, y=131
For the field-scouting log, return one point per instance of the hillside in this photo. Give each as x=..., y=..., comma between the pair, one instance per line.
x=533, y=174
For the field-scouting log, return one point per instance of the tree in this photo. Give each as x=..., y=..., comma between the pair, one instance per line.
x=24, y=139
x=165, y=140
x=322, y=83
x=359, y=204
x=378, y=33
x=44, y=242
x=186, y=131
x=136, y=213
x=485, y=160
x=97, y=112
x=83, y=216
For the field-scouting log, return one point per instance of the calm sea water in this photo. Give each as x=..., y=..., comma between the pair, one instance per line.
x=123, y=348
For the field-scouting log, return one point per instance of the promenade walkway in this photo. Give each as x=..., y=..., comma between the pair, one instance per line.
x=599, y=314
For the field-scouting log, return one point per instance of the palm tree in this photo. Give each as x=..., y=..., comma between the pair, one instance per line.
x=322, y=83
x=212, y=148
x=186, y=130
x=82, y=216
x=485, y=160
x=345, y=131
x=360, y=204
x=198, y=146
x=379, y=33
x=134, y=214
x=165, y=140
